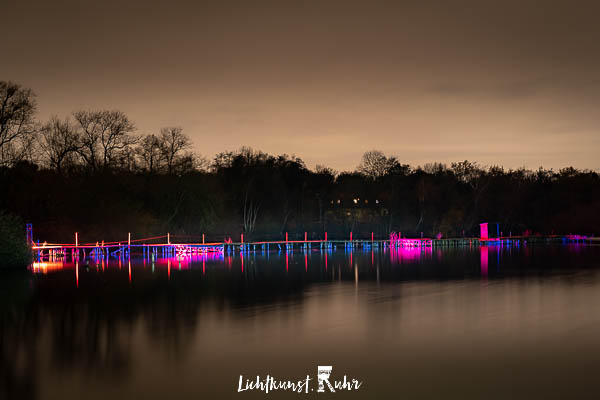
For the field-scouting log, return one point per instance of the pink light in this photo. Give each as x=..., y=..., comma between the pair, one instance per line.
x=576, y=237
x=325, y=261
x=286, y=236
x=401, y=254
x=325, y=236
x=305, y=236
x=184, y=250
x=306, y=262
x=242, y=238
x=350, y=236
x=396, y=241
x=483, y=231
x=242, y=258
x=483, y=257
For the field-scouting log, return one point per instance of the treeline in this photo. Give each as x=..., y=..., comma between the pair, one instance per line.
x=92, y=173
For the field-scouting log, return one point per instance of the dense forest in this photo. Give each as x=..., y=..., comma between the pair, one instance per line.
x=93, y=173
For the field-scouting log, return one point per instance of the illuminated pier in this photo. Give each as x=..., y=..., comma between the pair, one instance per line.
x=159, y=247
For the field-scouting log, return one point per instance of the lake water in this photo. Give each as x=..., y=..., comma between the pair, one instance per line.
x=466, y=323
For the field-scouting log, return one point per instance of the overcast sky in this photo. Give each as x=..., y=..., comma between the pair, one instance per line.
x=498, y=82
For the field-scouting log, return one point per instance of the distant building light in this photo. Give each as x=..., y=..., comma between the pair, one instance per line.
x=355, y=201
x=366, y=201
x=376, y=201
x=339, y=201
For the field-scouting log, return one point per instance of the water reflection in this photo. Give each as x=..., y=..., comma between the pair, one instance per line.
x=102, y=327
x=484, y=258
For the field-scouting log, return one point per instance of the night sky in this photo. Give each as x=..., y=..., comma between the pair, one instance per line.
x=513, y=83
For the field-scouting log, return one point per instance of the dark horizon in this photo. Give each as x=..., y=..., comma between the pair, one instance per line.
x=512, y=84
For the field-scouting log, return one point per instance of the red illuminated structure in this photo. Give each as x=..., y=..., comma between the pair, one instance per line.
x=489, y=230
x=483, y=229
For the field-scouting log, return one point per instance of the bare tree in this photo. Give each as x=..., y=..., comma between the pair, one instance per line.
x=188, y=162
x=166, y=153
x=467, y=172
x=17, y=125
x=251, y=208
x=434, y=168
x=201, y=163
x=150, y=153
x=375, y=164
x=173, y=142
x=59, y=142
x=105, y=137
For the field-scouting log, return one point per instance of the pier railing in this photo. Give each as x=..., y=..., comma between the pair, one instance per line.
x=167, y=245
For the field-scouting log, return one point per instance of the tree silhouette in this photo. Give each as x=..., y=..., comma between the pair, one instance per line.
x=105, y=137
x=17, y=124
x=60, y=143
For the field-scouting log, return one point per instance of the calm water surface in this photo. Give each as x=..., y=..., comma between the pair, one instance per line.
x=468, y=323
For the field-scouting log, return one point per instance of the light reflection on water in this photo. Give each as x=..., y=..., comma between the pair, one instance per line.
x=411, y=323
